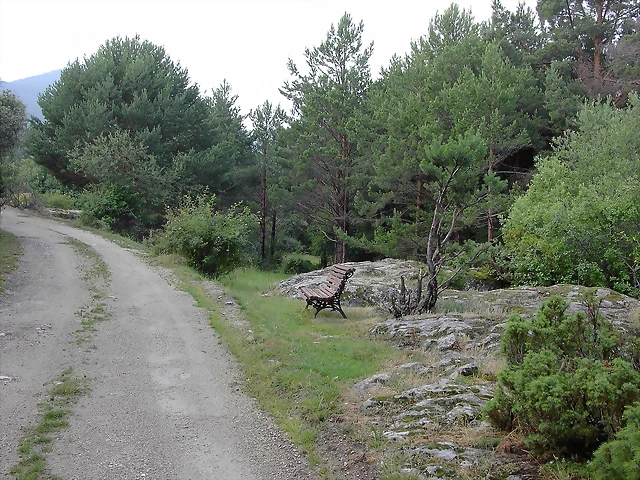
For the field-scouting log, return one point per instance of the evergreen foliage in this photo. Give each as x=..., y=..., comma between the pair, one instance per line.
x=13, y=120
x=224, y=168
x=129, y=85
x=268, y=123
x=583, y=32
x=414, y=165
x=328, y=102
x=619, y=458
x=568, y=379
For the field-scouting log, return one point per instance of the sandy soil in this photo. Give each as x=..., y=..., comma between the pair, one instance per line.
x=164, y=401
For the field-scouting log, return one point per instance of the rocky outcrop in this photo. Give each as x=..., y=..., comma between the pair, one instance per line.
x=374, y=284
x=66, y=214
x=431, y=410
x=371, y=285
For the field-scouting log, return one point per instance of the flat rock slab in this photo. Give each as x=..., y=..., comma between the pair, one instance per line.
x=375, y=283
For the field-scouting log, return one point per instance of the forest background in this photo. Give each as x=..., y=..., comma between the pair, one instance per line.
x=506, y=145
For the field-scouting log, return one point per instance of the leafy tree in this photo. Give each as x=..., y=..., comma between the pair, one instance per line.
x=518, y=34
x=327, y=102
x=567, y=381
x=224, y=167
x=579, y=222
x=410, y=112
x=267, y=125
x=625, y=56
x=129, y=85
x=500, y=102
x=444, y=125
x=452, y=169
x=13, y=120
x=445, y=30
x=129, y=188
x=560, y=101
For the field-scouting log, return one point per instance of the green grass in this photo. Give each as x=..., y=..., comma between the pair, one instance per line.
x=10, y=250
x=299, y=367
x=95, y=274
x=58, y=200
x=53, y=417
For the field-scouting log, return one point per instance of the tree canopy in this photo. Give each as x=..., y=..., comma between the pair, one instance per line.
x=579, y=221
x=327, y=102
x=431, y=153
x=13, y=119
x=130, y=85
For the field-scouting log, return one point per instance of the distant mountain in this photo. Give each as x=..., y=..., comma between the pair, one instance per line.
x=28, y=89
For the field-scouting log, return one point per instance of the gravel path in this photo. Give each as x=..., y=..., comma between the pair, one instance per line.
x=163, y=400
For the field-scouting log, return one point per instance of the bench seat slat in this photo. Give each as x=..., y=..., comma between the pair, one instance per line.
x=318, y=293
x=340, y=269
x=325, y=292
x=333, y=278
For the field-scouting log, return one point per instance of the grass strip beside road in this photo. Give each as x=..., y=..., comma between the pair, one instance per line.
x=10, y=251
x=96, y=276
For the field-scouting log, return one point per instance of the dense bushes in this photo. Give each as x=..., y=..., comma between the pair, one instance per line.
x=127, y=190
x=213, y=242
x=299, y=265
x=619, y=459
x=567, y=381
x=579, y=221
x=107, y=207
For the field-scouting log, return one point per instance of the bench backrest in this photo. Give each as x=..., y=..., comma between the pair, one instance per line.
x=337, y=279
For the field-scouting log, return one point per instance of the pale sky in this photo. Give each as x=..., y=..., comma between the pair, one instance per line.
x=246, y=42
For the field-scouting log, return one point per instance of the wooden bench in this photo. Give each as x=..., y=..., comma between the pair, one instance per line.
x=328, y=294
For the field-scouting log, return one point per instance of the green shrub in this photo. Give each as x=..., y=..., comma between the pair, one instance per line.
x=23, y=200
x=213, y=242
x=567, y=381
x=58, y=199
x=298, y=265
x=619, y=458
x=579, y=220
x=102, y=206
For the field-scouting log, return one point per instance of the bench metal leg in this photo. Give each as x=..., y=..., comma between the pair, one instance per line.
x=319, y=306
x=339, y=309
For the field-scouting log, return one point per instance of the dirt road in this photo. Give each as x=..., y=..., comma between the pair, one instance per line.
x=163, y=400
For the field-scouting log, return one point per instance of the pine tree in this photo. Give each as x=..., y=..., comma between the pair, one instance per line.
x=327, y=102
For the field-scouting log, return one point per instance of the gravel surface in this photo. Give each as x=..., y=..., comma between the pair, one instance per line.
x=164, y=400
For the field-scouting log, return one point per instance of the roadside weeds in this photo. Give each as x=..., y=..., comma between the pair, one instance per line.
x=10, y=251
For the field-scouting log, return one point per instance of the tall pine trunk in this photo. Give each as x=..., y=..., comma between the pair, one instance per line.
x=342, y=199
x=272, y=244
x=490, y=225
x=263, y=207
